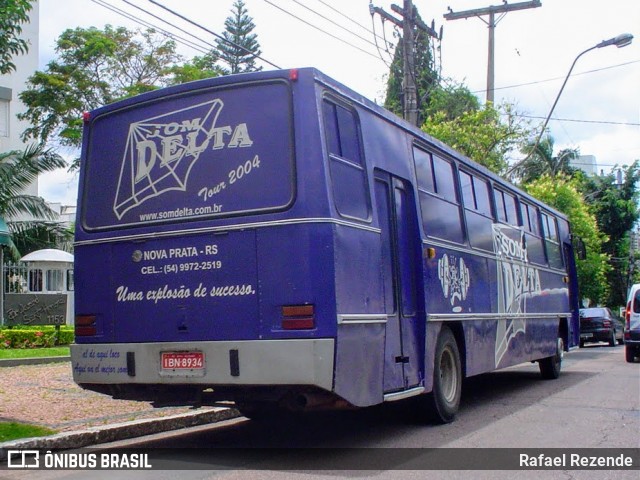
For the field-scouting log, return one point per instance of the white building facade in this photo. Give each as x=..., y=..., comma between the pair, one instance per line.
x=10, y=87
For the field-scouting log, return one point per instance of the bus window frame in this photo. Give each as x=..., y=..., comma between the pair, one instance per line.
x=431, y=152
x=338, y=102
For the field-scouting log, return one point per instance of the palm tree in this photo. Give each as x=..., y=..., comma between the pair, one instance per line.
x=540, y=160
x=18, y=169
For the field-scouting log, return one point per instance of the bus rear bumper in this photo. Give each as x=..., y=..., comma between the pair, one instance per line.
x=217, y=363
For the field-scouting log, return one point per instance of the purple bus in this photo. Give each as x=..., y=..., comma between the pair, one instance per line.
x=277, y=240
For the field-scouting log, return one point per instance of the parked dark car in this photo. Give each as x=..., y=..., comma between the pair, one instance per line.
x=600, y=325
x=632, y=325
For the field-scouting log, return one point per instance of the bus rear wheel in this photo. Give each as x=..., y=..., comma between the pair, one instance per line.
x=444, y=401
x=550, y=366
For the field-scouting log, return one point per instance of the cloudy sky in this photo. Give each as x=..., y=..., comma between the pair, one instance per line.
x=599, y=108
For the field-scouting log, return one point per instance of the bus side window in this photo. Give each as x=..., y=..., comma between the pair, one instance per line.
x=477, y=209
x=506, y=207
x=346, y=161
x=552, y=241
x=531, y=225
x=441, y=216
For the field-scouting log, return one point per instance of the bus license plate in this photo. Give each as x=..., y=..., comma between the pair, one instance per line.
x=182, y=360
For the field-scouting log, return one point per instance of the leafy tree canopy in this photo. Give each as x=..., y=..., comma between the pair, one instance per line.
x=615, y=206
x=13, y=13
x=94, y=67
x=480, y=134
x=453, y=99
x=198, y=68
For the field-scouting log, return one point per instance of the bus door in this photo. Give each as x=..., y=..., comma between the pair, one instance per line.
x=400, y=260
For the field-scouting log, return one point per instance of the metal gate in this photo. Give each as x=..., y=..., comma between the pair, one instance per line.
x=15, y=278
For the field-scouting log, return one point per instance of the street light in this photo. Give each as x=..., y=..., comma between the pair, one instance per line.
x=620, y=41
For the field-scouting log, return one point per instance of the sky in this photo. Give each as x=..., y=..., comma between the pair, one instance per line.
x=598, y=111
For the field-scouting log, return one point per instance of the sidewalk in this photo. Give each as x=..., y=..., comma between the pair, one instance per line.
x=44, y=394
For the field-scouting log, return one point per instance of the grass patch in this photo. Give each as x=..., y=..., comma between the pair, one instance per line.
x=12, y=353
x=13, y=431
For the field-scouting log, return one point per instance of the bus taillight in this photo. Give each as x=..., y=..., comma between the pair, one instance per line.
x=85, y=325
x=298, y=317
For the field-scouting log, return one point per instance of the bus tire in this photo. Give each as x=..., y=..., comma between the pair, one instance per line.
x=444, y=401
x=629, y=353
x=550, y=366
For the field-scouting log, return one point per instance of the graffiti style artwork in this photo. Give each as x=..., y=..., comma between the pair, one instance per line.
x=455, y=280
x=517, y=281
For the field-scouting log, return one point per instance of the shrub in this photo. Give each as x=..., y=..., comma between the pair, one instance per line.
x=19, y=337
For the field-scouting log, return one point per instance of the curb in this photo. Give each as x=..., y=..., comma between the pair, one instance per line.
x=119, y=431
x=15, y=362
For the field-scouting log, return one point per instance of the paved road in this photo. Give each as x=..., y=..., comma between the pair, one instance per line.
x=595, y=403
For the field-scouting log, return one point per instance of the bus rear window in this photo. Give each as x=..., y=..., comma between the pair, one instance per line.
x=206, y=154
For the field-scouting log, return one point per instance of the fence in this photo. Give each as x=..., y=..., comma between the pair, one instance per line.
x=15, y=278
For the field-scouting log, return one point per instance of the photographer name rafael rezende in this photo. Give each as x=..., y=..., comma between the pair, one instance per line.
x=576, y=460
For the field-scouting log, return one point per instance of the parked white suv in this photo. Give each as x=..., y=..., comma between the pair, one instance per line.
x=632, y=324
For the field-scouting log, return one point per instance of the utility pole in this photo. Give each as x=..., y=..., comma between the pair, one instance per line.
x=491, y=11
x=408, y=23
x=410, y=89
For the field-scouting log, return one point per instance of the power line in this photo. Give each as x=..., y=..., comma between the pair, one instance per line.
x=375, y=37
x=351, y=20
x=209, y=44
x=603, y=122
x=318, y=28
x=144, y=23
x=334, y=23
x=536, y=82
x=219, y=37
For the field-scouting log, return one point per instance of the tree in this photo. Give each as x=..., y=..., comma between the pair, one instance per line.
x=479, y=134
x=17, y=171
x=197, y=68
x=562, y=193
x=615, y=206
x=540, y=160
x=240, y=47
x=13, y=13
x=94, y=67
x=453, y=99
